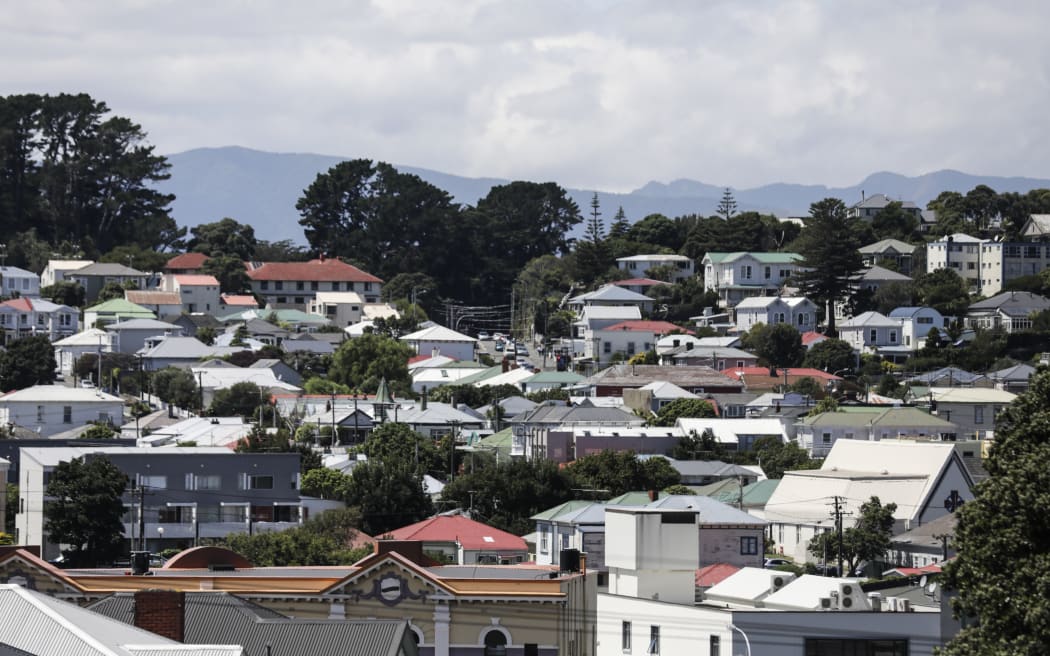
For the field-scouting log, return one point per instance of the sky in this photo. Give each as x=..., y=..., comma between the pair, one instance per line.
x=593, y=94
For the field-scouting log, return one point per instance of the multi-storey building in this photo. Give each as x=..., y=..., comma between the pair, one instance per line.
x=736, y=276
x=295, y=284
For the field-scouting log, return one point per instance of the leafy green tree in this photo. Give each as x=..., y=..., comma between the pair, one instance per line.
x=85, y=510
x=325, y=483
x=136, y=257
x=727, y=206
x=779, y=345
x=364, y=361
x=388, y=495
x=324, y=539
x=776, y=456
x=620, y=225
x=239, y=399
x=692, y=408
x=507, y=494
x=475, y=397
x=284, y=250
x=867, y=540
x=655, y=230
x=98, y=432
x=27, y=361
x=1000, y=537
x=416, y=288
x=621, y=471
x=64, y=293
x=176, y=386
x=703, y=446
x=831, y=355
x=828, y=245
x=396, y=443
x=325, y=387
x=943, y=290
x=951, y=212
x=807, y=386
x=229, y=271
x=224, y=237
x=893, y=222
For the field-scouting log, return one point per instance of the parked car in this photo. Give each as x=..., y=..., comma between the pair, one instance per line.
x=499, y=346
x=483, y=336
x=87, y=384
x=773, y=563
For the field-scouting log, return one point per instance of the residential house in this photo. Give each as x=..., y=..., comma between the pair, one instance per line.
x=1036, y=228
x=15, y=282
x=638, y=285
x=198, y=292
x=296, y=320
x=974, y=410
x=280, y=370
x=872, y=332
x=924, y=545
x=341, y=308
x=130, y=336
x=818, y=433
x=213, y=617
x=232, y=303
x=181, y=352
x=1012, y=379
x=26, y=316
x=870, y=207
x=160, y=302
x=697, y=473
x=1002, y=262
x=42, y=625
x=69, y=349
x=768, y=379
x=655, y=395
x=916, y=324
x=949, y=377
x=464, y=541
x=736, y=276
x=113, y=310
x=959, y=252
x=717, y=357
x=613, y=380
x=670, y=343
x=94, y=277
x=916, y=476
x=735, y=434
x=549, y=380
x=434, y=373
x=453, y=609
x=212, y=379
x=812, y=338
x=51, y=409
x=576, y=524
x=611, y=296
x=185, y=263
x=262, y=331
x=796, y=311
x=596, y=317
x=293, y=284
x=57, y=271
x=893, y=252
x=638, y=266
x=193, y=492
x=194, y=431
x=1010, y=311
x=547, y=430
x=875, y=278
x=625, y=339
x=443, y=341
x=191, y=324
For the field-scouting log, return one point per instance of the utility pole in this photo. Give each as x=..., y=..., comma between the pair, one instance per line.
x=838, y=503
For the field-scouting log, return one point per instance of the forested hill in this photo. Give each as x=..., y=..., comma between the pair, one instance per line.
x=262, y=188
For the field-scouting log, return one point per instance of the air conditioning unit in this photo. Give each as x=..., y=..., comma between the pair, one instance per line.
x=847, y=590
x=847, y=602
x=903, y=605
x=825, y=603
x=778, y=582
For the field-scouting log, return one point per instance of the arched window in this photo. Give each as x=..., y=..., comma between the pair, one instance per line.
x=495, y=644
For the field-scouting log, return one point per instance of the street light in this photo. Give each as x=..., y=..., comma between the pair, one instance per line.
x=747, y=643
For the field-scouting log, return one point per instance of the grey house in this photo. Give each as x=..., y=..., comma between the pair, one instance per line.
x=95, y=276
x=175, y=497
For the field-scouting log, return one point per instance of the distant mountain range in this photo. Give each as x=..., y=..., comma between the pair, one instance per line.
x=261, y=189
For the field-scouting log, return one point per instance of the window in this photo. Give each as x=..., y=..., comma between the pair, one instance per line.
x=264, y=285
x=368, y=286
x=67, y=414
x=175, y=515
x=745, y=272
x=825, y=438
x=299, y=300
x=278, y=285
x=300, y=286
x=859, y=647
x=654, y=639
x=260, y=482
x=495, y=644
x=873, y=336
x=532, y=649
x=287, y=513
x=208, y=482
x=606, y=347
x=564, y=540
x=768, y=273
x=153, y=482
x=748, y=545
x=543, y=541
x=625, y=636
x=630, y=348
x=893, y=337
x=716, y=646
x=978, y=414
x=313, y=285
x=40, y=413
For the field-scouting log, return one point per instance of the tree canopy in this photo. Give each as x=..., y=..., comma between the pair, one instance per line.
x=364, y=361
x=670, y=413
x=85, y=510
x=26, y=362
x=828, y=245
x=866, y=541
x=617, y=472
x=324, y=539
x=1003, y=537
x=779, y=345
x=830, y=355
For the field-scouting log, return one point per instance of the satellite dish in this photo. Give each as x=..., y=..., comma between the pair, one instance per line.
x=922, y=581
x=931, y=589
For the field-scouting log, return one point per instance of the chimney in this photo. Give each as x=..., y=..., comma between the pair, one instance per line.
x=322, y=256
x=434, y=352
x=410, y=549
x=162, y=612
x=423, y=402
x=654, y=495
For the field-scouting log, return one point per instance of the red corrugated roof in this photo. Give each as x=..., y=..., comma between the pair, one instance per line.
x=800, y=372
x=655, y=327
x=812, y=336
x=239, y=299
x=186, y=261
x=714, y=574
x=470, y=534
x=195, y=279
x=326, y=270
x=20, y=304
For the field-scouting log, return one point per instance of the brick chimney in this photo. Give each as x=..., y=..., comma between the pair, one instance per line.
x=161, y=611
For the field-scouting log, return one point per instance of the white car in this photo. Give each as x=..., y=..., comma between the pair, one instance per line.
x=484, y=336
x=87, y=384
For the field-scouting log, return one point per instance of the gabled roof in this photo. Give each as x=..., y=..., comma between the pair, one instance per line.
x=239, y=299
x=910, y=311
x=888, y=245
x=714, y=574
x=654, y=257
x=812, y=337
x=611, y=294
x=763, y=302
x=186, y=348
x=122, y=307
x=959, y=238
x=655, y=327
x=639, y=282
x=625, y=312
x=195, y=279
x=143, y=324
x=955, y=375
x=889, y=418
x=763, y=258
x=562, y=509
x=881, y=201
x=89, y=337
x=882, y=273
x=152, y=297
x=187, y=261
x=691, y=376
x=1018, y=372
x=15, y=272
x=662, y=389
x=28, y=304
x=320, y=270
x=437, y=334
x=107, y=269
x=469, y=534
x=711, y=510
x=1012, y=302
x=970, y=395
x=59, y=393
x=870, y=319
x=1037, y=225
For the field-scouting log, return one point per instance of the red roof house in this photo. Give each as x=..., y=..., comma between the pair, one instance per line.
x=285, y=284
x=465, y=541
x=185, y=263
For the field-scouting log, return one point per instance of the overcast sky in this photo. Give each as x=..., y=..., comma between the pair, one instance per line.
x=594, y=94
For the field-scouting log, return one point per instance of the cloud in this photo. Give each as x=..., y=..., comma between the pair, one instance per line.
x=599, y=94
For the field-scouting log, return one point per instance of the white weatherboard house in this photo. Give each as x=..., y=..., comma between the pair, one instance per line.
x=439, y=340
x=69, y=350
x=736, y=276
x=797, y=311
x=638, y=266
x=51, y=409
x=917, y=476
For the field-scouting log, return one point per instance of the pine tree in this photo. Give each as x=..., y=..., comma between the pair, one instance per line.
x=828, y=245
x=727, y=206
x=596, y=227
x=620, y=225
